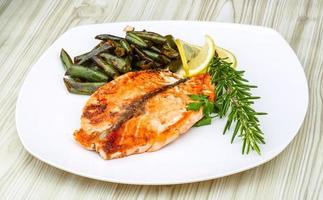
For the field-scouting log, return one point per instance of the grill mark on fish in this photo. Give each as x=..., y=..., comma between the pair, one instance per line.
x=131, y=109
x=107, y=106
x=140, y=134
x=140, y=112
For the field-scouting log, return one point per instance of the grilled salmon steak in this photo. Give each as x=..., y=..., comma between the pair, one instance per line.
x=115, y=102
x=146, y=120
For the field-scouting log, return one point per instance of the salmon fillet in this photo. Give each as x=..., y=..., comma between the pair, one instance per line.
x=114, y=103
x=160, y=120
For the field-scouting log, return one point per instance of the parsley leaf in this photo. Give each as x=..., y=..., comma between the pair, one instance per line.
x=202, y=101
x=204, y=121
x=194, y=106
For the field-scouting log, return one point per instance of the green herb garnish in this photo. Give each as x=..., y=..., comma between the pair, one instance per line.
x=202, y=101
x=234, y=99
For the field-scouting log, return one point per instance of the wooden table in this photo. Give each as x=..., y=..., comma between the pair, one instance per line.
x=29, y=27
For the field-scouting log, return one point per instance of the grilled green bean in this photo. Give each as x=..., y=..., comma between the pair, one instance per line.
x=122, y=64
x=141, y=54
x=91, y=75
x=152, y=55
x=107, y=37
x=134, y=39
x=87, y=56
x=95, y=67
x=165, y=59
x=169, y=52
x=154, y=48
x=151, y=36
x=174, y=65
x=107, y=67
x=145, y=64
x=141, y=62
x=81, y=88
x=125, y=45
x=171, y=41
x=66, y=59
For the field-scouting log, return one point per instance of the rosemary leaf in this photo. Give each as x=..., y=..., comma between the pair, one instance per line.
x=234, y=99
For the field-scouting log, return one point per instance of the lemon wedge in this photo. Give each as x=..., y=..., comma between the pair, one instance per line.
x=190, y=50
x=195, y=59
x=193, y=65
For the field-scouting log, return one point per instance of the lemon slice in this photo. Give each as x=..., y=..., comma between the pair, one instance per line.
x=190, y=50
x=223, y=53
x=199, y=63
x=192, y=64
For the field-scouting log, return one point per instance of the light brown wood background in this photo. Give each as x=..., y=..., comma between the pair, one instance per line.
x=28, y=27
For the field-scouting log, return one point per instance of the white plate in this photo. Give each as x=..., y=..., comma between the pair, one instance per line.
x=47, y=115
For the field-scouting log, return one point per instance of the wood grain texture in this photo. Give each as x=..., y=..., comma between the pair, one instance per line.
x=29, y=27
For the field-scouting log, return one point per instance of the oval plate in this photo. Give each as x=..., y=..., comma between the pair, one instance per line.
x=47, y=115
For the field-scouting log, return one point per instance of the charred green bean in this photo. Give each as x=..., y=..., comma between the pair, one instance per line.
x=141, y=54
x=145, y=64
x=165, y=59
x=171, y=41
x=107, y=67
x=169, y=52
x=134, y=39
x=125, y=45
x=87, y=56
x=81, y=88
x=152, y=55
x=88, y=74
x=66, y=59
x=107, y=37
x=151, y=36
x=154, y=48
x=174, y=65
x=122, y=64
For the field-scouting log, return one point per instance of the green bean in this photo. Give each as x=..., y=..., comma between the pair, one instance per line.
x=81, y=88
x=107, y=37
x=165, y=59
x=134, y=39
x=141, y=54
x=122, y=64
x=145, y=64
x=152, y=55
x=174, y=65
x=66, y=59
x=151, y=36
x=91, y=75
x=169, y=52
x=95, y=67
x=87, y=56
x=125, y=45
x=141, y=62
x=154, y=48
x=171, y=41
x=107, y=67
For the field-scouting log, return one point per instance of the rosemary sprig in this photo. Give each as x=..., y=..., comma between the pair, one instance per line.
x=234, y=99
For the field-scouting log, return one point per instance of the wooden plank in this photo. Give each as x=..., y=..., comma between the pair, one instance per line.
x=29, y=27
